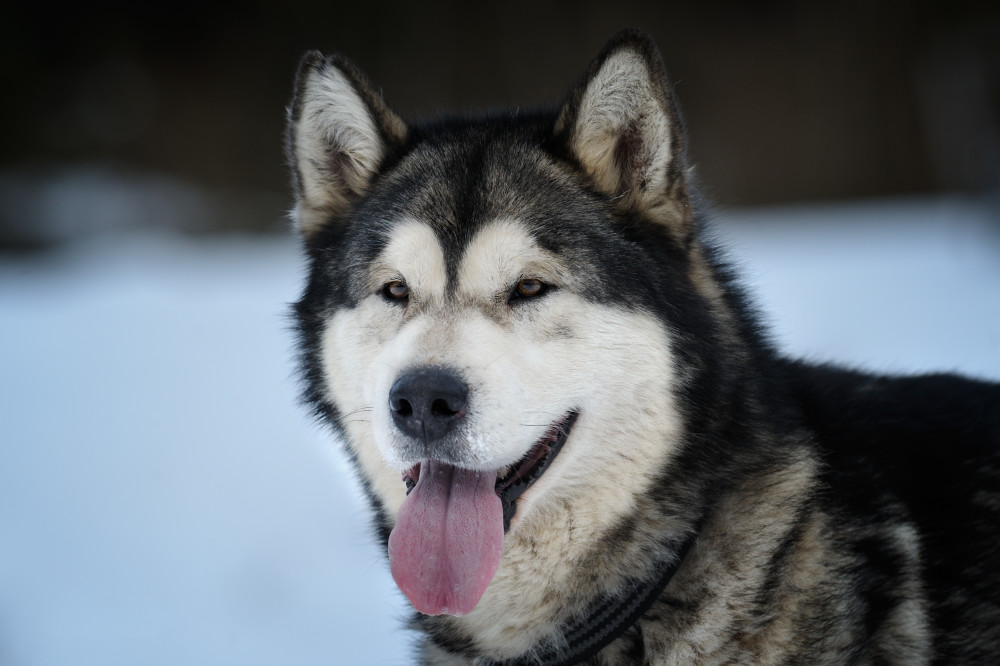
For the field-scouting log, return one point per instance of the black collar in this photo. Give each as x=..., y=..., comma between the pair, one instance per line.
x=607, y=618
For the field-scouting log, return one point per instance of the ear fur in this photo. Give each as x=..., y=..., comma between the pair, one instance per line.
x=339, y=134
x=622, y=125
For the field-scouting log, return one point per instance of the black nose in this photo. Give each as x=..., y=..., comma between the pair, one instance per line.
x=426, y=403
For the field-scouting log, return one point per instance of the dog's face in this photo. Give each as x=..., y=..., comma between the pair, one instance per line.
x=474, y=354
x=488, y=319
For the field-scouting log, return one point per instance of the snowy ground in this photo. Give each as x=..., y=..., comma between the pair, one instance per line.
x=164, y=501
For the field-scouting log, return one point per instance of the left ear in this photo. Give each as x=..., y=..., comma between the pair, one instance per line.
x=622, y=126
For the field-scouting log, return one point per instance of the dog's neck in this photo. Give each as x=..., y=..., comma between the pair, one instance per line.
x=606, y=618
x=567, y=638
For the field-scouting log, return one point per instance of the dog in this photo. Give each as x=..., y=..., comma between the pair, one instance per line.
x=577, y=440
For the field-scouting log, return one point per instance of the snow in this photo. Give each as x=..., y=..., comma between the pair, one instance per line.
x=908, y=285
x=164, y=500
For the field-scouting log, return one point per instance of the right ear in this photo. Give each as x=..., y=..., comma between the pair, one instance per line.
x=339, y=133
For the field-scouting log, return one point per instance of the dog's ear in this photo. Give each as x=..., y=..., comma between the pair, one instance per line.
x=339, y=134
x=622, y=125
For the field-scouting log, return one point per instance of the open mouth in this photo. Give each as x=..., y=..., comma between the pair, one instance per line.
x=514, y=479
x=518, y=478
x=448, y=539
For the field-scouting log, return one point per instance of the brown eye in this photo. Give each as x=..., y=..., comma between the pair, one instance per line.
x=396, y=290
x=528, y=287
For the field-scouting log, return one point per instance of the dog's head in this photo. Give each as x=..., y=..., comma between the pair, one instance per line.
x=492, y=308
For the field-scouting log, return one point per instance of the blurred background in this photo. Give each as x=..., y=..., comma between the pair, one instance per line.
x=164, y=500
x=110, y=110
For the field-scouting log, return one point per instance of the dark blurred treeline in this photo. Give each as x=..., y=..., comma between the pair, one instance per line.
x=172, y=114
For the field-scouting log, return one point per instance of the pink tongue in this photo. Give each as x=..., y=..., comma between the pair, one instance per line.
x=448, y=539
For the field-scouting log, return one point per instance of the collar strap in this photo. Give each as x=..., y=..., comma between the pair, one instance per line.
x=607, y=618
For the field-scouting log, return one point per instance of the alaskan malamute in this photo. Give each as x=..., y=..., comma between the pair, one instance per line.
x=577, y=441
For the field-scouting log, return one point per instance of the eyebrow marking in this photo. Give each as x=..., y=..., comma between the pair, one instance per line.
x=413, y=254
x=497, y=256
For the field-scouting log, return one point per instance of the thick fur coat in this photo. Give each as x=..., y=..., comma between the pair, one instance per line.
x=524, y=306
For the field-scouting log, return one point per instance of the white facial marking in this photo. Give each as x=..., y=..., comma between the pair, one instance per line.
x=414, y=255
x=498, y=255
x=365, y=346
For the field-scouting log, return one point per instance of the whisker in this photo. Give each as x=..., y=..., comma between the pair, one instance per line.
x=498, y=357
x=359, y=410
